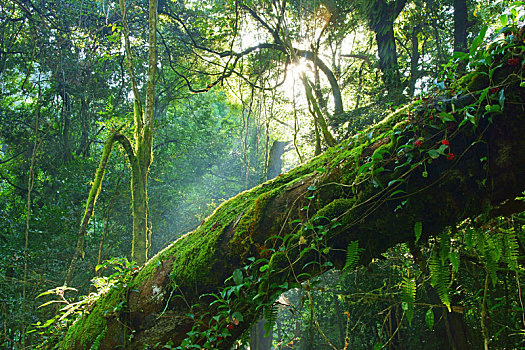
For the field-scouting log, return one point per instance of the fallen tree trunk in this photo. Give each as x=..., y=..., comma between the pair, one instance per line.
x=430, y=163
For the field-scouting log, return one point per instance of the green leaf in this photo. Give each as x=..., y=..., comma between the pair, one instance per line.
x=478, y=40
x=441, y=150
x=493, y=108
x=471, y=118
x=503, y=20
x=501, y=98
x=395, y=181
x=454, y=259
x=404, y=305
x=352, y=255
x=429, y=318
x=312, y=188
x=237, y=276
x=237, y=315
x=418, y=229
x=447, y=117
x=433, y=153
x=397, y=192
x=408, y=297
x=378, y=170
x=364, y=167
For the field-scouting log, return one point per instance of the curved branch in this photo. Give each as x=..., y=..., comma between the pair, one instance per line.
x=90, y=206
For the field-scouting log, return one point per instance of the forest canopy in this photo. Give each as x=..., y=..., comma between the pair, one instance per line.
x=373, y=150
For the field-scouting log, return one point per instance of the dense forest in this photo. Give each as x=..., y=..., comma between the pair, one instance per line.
x=262, y=174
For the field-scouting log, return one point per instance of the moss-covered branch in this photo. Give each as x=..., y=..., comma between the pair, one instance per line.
x=428, y=163
x=90, y=205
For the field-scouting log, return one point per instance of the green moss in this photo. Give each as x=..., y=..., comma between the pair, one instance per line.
x=337, y=208
x=194, y=253
x=278, y=261
x=87, y=331
x=99, y=338
x=476, y=82
x=249, y=224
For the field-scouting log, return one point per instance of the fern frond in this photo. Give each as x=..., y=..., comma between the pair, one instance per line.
x=492, y=255
x=440, y=277
x=510, y=249
x=470, y=235
x=408, y=297
x=270, y=317
x=444, y=242
x=352, y=255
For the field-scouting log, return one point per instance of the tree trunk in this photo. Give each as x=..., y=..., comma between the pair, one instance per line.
x=381, y=18
x=141, y=155
x=274, y=159
x=414, y=62
x=386, y=50
x=318, y=208
x=139, y=244
x=460, y=25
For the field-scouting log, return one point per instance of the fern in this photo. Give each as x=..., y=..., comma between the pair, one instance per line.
x=408, y=297
x=270, y=317
x=352, y=255
x=510, y=249
x=444, y=242
x=492, y=253
x=470, y=234
x=440, y=277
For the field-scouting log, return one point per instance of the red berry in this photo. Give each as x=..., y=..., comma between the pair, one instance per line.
x=418, y=143
x=450, y=156
x=513, y=62
x=445, y=142
x=230, y=326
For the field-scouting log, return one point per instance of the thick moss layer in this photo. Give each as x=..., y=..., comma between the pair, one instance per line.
x=88, y=331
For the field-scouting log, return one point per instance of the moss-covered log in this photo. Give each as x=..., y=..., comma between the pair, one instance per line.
x=430, y=162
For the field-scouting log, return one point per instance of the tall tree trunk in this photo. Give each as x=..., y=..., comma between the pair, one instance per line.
x=460, y=30
x=66, y=141
x=274, y=159
x=386, y=50
x=460, y=25
x=381, y=17
x=414, y=62
x=139, y=197
x=142, y=154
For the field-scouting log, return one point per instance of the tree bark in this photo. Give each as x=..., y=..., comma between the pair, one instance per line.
x=381, y=17
x=460, y=25
x=142, y=154
x=325, y=203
